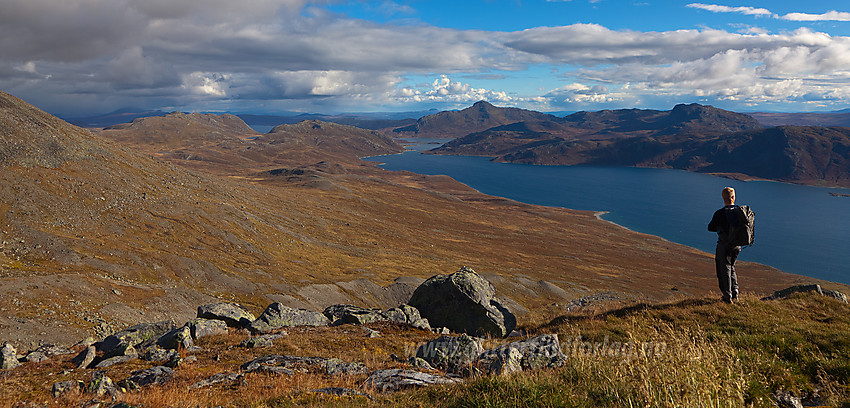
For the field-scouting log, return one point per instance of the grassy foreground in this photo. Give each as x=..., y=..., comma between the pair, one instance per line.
x=692, y=353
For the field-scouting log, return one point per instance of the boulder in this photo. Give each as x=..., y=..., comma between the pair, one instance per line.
x=508, y=361
x=135, y=335
x=176, y=338
x=101, y=385
x=349, y=314
x=464, y=302
x=265, y=340
x=201, y=327
x=36, y=357
x=158, y=354
x=785, y=399
x=85, y=358
x=67, y=387
x=288, y=365
x=233, y=314
x=278, y=316
x=784, y=293
x=397, y=379
x=539, y=352
x=451, y=354
x=150, y=376
x=406, y=314
x=8, y=357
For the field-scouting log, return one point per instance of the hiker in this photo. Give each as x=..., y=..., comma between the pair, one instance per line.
x=726, y=253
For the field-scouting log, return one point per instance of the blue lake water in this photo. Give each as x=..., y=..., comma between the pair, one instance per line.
x=799, y=229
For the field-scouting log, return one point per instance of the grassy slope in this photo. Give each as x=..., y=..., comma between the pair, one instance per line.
x=695, y=353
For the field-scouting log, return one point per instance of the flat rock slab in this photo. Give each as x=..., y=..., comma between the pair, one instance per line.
x=217, y=379
x=151, y=376
x=277, y=316
x=233, y=314
x=275, y=364
x=398, y=379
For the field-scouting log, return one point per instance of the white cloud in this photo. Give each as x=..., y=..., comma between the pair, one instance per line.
x=443, y=89
x=828, y=16
x=715, y=8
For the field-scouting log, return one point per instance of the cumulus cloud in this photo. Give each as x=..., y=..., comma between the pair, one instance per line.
x=762, y=12
x=88, y=54
x=444, y=89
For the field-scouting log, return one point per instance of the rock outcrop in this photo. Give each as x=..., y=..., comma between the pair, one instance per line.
x=231, y=313
x=277, y=316
x=398, y=379
x=464, y=302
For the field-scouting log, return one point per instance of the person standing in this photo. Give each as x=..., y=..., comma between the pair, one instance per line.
x=726, y=253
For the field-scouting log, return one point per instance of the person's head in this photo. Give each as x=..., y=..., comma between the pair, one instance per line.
x=729, y=195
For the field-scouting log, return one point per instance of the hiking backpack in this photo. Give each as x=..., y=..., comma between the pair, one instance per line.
x=743, y=228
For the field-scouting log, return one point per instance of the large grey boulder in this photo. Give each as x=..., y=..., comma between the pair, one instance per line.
x=278, y=316
x=398, y=379
x=452, y=354
x=464, y=302
x=231, y=313
x=8, y=357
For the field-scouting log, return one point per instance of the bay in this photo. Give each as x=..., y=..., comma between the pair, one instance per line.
x=799, y=229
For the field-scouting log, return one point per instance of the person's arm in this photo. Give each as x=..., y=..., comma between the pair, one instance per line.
x=715, y=222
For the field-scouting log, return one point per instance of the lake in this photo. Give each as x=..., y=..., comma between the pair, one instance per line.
x=799, y=229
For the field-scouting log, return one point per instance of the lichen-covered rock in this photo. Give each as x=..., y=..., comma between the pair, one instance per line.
x=201, y=327
x=85, y=358
x=397, y=379
x=507, y=361
x=176, y=338
x=277, y=316
x=464, y=302
x=406, y=314
x=265, y=340
x=835, y=294
x=101, y=385
x=349, y=314
x=452, y=354
x=158, y=354
x=233, y=314
x=8, y=357
x=67, y=387
x=151, y=376
x=135, y=335
x=539, y=352
x=290, y=364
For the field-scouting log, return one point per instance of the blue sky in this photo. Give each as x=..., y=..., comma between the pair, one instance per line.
x=81, y=57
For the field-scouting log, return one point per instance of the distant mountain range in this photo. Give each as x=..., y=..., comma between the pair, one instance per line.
x=368, y=120
x=690, y=137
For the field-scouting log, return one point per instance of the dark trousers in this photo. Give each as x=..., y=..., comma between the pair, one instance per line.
x=724, y=260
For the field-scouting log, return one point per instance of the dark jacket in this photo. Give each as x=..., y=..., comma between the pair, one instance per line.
x=722, y=221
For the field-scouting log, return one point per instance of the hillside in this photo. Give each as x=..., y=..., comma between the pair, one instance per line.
x=480, y=116
x=825, y=119
x=689, y=137
x=98, y=234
